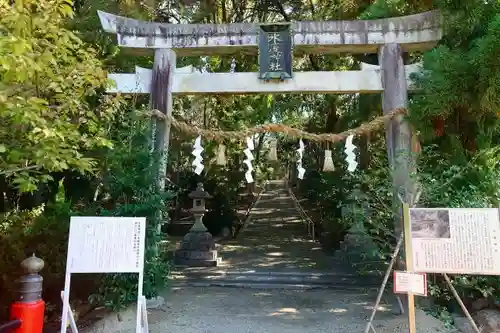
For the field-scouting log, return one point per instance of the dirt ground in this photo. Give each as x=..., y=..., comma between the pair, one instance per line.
x=233, y=310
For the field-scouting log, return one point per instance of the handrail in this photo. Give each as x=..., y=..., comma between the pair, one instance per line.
x=247, y=214
x=10, y=326
x=304, y=216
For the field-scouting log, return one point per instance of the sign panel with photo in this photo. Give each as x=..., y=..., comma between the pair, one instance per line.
x=456, y=240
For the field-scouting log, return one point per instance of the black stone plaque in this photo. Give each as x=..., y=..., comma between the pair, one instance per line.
x=275, y=51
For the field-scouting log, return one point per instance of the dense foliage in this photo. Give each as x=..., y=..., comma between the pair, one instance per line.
x=456, y=117
x=50, y=107
x=67, y=148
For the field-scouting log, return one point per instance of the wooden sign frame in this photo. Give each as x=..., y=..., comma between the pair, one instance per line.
x=106, y=245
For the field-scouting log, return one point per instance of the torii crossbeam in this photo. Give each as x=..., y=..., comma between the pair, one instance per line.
x=188, y=81
x=417, y=32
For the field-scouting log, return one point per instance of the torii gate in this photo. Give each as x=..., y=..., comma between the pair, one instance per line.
x=389, y=38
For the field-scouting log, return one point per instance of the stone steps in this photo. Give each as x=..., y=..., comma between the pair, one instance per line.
x=275, y=280
x=343, y=266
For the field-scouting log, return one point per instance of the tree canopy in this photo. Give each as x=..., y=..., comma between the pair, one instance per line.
x=52, y=109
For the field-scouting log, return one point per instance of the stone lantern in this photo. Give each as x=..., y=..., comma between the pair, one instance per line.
x=199, y=196
x=197, y=248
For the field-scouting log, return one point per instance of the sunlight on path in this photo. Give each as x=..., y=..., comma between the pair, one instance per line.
x=275, y=239
x=231, y=310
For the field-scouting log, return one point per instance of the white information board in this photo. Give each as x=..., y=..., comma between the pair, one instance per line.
x=407, y=282
x=456, y=240
x=106, y=245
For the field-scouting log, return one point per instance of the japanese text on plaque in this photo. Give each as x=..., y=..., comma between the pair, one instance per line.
x=275, y=52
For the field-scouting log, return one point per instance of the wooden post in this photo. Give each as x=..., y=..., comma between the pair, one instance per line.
x=161, y=100
x=398, y=131
x=412, y=325
x=398, y=136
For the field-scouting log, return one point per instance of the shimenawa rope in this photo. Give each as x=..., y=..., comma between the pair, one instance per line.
x=218, y=135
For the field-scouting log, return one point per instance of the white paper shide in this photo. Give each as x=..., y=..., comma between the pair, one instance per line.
x=198, y=159
x=300, y=151
x=248, y=160
x=350, y=155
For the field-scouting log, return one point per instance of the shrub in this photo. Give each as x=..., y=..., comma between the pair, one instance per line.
x=125, y=187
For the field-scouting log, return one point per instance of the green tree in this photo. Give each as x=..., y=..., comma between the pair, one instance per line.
x=52, y=109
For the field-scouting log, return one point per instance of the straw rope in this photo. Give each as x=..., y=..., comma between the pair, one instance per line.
x=218, y=135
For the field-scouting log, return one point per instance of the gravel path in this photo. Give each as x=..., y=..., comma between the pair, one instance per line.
x=225, y=310
x=228, y=310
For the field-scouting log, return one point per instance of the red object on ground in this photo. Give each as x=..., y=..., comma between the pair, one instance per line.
x=31, y=314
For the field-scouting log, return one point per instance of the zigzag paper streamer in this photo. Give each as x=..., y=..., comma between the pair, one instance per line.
x=198, y=160
x=300, y=151
x=350, y=155
x=232, y=69
x=248, y=160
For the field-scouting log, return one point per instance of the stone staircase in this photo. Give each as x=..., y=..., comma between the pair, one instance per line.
x=274, y=252
x=275, y=280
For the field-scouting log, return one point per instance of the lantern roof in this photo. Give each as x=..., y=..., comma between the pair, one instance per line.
x=199, y=193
